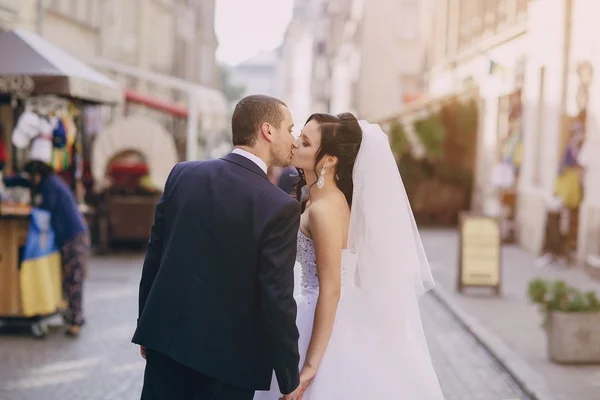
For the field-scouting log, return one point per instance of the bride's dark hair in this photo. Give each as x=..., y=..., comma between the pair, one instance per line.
x=341, y=137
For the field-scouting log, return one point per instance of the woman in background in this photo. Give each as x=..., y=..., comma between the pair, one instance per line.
x=52, y=194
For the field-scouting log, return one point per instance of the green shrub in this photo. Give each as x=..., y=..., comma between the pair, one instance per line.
x=558, y=296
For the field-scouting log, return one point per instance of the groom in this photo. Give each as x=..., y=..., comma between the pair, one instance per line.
x=216, y=307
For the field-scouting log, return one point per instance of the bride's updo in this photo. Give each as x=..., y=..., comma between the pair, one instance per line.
x=341, y=137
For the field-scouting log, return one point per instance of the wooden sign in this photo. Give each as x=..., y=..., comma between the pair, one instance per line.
x=480, y=248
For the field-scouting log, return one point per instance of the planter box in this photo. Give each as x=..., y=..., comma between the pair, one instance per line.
x=574, y=338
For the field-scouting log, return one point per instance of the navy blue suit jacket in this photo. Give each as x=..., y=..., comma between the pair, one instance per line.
x=216, y=292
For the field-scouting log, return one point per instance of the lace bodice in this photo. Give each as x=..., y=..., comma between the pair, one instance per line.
x=308, y=263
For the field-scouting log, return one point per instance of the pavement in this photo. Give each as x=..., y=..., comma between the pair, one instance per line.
x=102, y=363
x=465, y=369
x=509, y=326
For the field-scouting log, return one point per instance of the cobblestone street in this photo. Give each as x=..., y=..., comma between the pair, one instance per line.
x=509, y=323
x=102, y=364
x=465, y=370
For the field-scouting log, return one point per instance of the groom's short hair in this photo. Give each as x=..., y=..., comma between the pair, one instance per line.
x=250, y=113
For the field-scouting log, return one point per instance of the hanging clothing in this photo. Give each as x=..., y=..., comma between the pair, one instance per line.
x=50, y=139
x=64, y=135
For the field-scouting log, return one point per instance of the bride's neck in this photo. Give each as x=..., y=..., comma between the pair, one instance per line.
x=311, y=182
x=310, y=177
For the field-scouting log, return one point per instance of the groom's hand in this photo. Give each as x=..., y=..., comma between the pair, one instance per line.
x=143, y=351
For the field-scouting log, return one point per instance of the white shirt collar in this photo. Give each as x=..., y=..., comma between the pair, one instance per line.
x=255, y=159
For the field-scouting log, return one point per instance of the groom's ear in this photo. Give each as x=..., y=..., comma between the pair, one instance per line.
x=266, y=131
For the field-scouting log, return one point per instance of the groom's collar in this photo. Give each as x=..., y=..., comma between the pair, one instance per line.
x=245, y=162
x=252, y=157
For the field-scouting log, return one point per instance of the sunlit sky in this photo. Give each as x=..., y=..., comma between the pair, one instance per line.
x=245, y=27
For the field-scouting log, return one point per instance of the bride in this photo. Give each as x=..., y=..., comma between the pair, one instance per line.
x=363, y=268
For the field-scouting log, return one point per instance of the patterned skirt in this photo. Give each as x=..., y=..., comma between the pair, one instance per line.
x=75, y=254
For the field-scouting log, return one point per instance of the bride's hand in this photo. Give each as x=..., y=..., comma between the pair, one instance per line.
x=306, y=376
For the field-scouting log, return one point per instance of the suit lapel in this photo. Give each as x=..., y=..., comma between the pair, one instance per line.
x=245, y=163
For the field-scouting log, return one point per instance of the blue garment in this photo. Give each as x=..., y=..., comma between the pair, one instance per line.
x=57, y=198
x=288, y=179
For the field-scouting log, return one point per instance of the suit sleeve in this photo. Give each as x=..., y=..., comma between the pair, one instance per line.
x=276, y=279
x=155, y=245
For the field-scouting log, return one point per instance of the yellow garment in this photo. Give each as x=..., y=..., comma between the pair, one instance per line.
x=568, y=188
x=517, y=156
x=41, y=285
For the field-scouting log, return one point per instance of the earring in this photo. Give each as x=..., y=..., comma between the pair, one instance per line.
x=321, y=181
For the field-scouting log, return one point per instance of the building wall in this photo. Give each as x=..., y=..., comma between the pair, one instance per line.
x=77, y=38
x=120, y=32
x=141, y=33
x=195, y=42
x=255, y=78
x=466, y=37
x=378, y=55
x=297, y=60
x=207, y=71
x=557, y=36
x=344, y=72
x=544, y=110
x=320, y=83
x=17, y=13
x=299, y=97
x=585, y=47
x=379, y=87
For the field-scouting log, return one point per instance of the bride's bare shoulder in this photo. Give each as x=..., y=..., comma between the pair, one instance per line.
x=325, y=213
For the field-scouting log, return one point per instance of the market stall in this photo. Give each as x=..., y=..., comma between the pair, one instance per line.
x=134, y=155
x=44, y=94
x=131, y=162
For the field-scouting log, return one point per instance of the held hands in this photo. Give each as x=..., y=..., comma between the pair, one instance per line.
x=306, y=376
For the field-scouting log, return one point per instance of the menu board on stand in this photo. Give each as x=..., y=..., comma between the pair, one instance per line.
x=480, y=253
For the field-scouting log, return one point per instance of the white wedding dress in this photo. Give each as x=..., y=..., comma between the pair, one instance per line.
x=359, y=363
x=377, y=350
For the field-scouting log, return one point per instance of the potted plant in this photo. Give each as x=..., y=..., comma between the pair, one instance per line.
x=571, y=320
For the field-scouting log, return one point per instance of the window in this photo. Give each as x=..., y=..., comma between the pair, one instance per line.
x=409, y=15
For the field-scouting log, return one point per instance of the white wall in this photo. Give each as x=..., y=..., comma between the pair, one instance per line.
x=388, y=52
x=13, y=11
x=341, y=84
x=545, y=49
x=300, y=96
x=76, y=39
x=586, y=47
